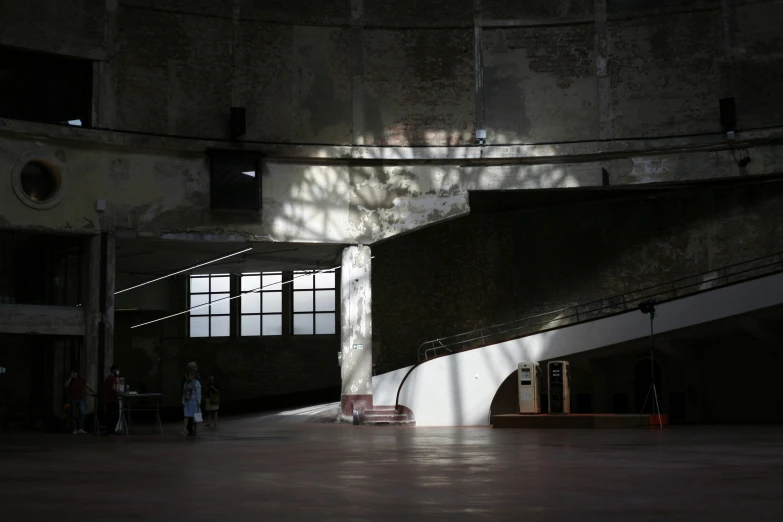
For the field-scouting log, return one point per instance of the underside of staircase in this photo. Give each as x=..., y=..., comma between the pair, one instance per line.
x=388, y=416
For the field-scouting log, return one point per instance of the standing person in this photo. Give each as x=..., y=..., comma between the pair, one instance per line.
x=192, y=368
x=76, y=386
x=111, y=386
x=213, y=402
x=191, y=400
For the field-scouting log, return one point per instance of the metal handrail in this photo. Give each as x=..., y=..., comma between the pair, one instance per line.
x=592, y=310
x=777, y=261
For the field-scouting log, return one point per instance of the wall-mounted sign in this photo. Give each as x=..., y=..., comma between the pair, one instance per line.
x=358, y=347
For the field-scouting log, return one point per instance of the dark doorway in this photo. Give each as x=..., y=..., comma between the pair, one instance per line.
x=620, y=403
x=641, y=381
x=584, y=403
x=32, y=395
x=677, y=406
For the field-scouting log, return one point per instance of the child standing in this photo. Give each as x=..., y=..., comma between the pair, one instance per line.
x=213, y=402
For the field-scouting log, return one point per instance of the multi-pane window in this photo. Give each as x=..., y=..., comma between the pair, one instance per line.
x=261, y=311
x=314, y=302
x=213, y=320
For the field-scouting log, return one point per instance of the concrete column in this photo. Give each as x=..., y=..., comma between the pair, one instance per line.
x=356, y=329
x=98, y=301
x=108, y=272
x=91, y=299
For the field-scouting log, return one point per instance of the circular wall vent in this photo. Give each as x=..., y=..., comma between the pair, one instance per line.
x=38, y=182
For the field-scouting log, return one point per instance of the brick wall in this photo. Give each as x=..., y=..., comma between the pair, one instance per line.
x=294, y=65
x=494, y=267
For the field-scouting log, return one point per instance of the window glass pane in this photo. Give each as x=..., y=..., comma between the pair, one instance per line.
x=303, y=324
x=271, y=280
x=273, y=302
x=220, y=284
x=251, y=303
x=324, y=280
x=223, y=307
x=199, y=326
x=199, y=284
x=221, y=326
x=251, y=325
x=199, y=299
x=324, y=323
x=324, y=300
x=250, y=282
x=302, y=282
x=273, y=324
x=303, y=301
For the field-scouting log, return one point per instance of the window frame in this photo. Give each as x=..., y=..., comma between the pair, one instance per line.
x=209, y=315
x=314, y=313
x=260, y=314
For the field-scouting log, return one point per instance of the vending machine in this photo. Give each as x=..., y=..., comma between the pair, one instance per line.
x=528, y=377
x=559, y=387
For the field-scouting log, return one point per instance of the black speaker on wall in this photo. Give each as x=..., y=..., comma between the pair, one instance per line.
x=237, y=122
x=728, y=114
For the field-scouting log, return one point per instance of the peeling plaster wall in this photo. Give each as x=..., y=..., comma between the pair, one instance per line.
x=540, y=84
x=294, y=81
x=154, y=192
x=366, y=110
x=487, y=269
x=404, y=72
x=356, y=326
x=418, y=87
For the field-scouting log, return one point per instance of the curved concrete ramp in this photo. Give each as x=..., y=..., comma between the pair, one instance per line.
x=457, y=390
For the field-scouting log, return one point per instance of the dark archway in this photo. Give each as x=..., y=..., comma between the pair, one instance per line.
x=641, y=382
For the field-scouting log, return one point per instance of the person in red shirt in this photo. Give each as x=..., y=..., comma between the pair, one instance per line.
x=112, y=403
x=76, y=386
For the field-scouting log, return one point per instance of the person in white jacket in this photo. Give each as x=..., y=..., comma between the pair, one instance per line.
x=191, y=404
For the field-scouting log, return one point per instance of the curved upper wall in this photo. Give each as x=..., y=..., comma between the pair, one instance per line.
x=417, y=72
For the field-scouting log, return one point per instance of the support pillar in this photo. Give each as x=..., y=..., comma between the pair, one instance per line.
x=91, y=299
x=98, y=300
x=108, y=274
x=356, y=330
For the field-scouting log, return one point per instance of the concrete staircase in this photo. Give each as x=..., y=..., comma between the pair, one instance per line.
x=388, y=416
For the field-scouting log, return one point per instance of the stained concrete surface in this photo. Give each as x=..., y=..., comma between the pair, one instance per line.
x=250, y=470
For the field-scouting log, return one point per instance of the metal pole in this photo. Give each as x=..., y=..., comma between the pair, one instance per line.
x=652, y=367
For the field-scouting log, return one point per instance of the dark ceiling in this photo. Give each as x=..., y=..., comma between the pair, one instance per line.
x=156, y=257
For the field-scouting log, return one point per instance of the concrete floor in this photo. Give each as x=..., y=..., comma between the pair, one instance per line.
x=256, y=470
